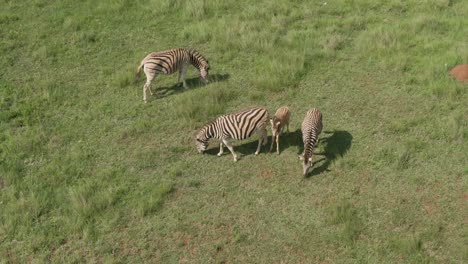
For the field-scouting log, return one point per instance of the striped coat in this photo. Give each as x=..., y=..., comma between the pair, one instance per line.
x=240, y=125
x=169, y=62
x=311, y=129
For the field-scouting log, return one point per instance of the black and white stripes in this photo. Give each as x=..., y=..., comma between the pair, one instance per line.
x=240, y=125
x=170, y=61
x=311, y=129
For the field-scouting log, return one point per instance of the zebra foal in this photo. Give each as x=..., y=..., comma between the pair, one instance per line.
x=278, y=122
x=170, y=61
x=311, y=129
x=240, y=125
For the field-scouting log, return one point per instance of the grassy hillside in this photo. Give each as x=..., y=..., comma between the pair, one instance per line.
x=88, y=172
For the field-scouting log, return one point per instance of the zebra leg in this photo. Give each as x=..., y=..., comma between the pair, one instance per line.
x=184, y=72
x=145, y=87
x=277, y=144
x=265, y=137
x=221, y=149
x=272, y=142
x=262, y=138
x=148, y=82
x=228, y=145
x=180, y=75
x=149, y=88
x=149, y=77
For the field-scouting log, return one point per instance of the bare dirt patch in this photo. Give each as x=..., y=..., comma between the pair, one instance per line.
x=266, y=174
x=460, y=72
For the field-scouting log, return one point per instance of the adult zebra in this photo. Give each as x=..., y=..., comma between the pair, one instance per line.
x=311, y=129
x=239, y=125
x=170, y=61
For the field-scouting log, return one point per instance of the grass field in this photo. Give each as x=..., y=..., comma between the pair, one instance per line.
x=89, y=173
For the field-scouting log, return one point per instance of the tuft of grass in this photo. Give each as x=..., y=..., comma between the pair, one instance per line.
x=411, y=246
x=404, y=160
x=333, y=42
x=346, y=214
x=203, y=106
x=155, y=196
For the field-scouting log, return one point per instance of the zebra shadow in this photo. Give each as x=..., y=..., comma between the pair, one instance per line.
x=335, y=146
x=241, y=149
x=192, y=83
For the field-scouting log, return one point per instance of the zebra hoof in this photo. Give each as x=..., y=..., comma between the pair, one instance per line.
x=256, y=153
x=235, y=159
x=219, y=154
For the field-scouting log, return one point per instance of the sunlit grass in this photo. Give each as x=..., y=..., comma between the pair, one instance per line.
x=89, y=173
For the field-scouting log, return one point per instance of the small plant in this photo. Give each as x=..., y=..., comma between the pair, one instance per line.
x=346, y=214
x=404, y=160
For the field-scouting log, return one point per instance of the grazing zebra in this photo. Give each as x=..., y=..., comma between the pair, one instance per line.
x=278, y=122
x=170, y=61
x=240, y=125
x=311, y=128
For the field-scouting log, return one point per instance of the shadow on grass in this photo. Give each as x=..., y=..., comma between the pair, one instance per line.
x=241, y=150
x=192, y=83
x=336, y=146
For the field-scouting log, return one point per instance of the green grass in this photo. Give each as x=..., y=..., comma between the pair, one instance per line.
x=89, y=173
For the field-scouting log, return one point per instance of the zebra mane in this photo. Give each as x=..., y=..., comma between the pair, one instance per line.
x=307, y=155
x=197, y=59
x=204, y=129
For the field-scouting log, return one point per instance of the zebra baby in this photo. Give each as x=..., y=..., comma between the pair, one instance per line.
x=170, y=61
x=278, y=122
x=311, y=129
x=240, y=125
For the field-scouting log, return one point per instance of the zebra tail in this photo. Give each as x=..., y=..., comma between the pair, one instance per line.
x=138, y=71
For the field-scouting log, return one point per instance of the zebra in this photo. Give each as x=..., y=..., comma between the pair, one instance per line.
x=170, y=61
x=239, y=125
x=311, y=129
x=278, y=122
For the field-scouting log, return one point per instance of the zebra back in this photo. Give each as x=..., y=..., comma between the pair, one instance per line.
x=239, y=125
x=311, y=129
x=166, y=62
x=282, y=115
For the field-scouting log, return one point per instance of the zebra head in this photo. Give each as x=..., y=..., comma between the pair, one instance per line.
x=306, y=165
x=201, y=145
x=275, y=125
x=200, y=63
x=204, y=68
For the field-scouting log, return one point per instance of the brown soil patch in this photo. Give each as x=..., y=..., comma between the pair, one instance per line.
x=465, y=196
x=460, y=72
x=430, y=207
x=266, y=174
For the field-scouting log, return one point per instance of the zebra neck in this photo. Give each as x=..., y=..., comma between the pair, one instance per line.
x=309, y=147
x=195, y=60
x=308, y=152
x=211, y=131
